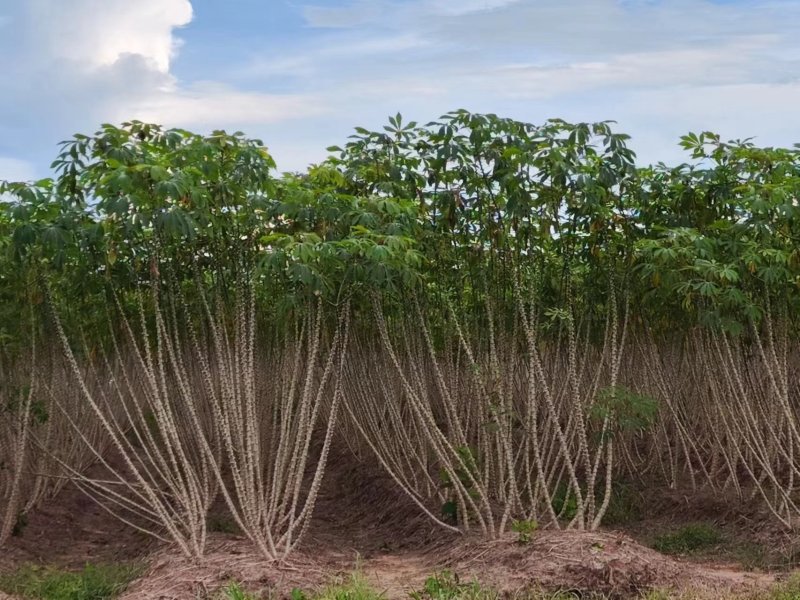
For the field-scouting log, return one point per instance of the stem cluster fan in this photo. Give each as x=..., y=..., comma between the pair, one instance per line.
x=508, y=318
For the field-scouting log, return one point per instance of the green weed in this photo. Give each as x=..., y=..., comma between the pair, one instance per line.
x=355, y=587
x=446, y=586
x=466, y=473
x=688, y=539
x=524, y=530
x=789, y=590
x=93, y=582
x=235, y=592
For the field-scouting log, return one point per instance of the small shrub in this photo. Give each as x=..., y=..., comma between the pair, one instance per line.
x=94, y=582
x=356, y=587
x=626, y=504
x=524, y=530
x=788, y=590
x=446, y=586
x=626, y=409
x=297, y=594
x=235, y=592
x=688, y=539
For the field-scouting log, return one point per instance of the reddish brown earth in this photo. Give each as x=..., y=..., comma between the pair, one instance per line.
x=378, y=531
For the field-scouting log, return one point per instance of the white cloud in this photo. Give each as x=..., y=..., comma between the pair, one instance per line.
x=94, y=34
x=210, y=105
x=306, y=63
x=727, y=109
x=587, y=28
x=13, y=169
x=463, y=7
x=360, y=12
x=80, y=63
x=716, y=65
x=659, y=67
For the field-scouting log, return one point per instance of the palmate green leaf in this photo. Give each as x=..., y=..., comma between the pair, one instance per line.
x=728, y=274
x=627, y=410
x=472, y=203
x=54, y=237
x=276, y=239
x=24, y=235
x=707, y=288
x=379, y=253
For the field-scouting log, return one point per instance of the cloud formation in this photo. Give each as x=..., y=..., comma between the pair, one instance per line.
x=74, y=63
x=13, y=169
x=659, y=67
x=93, y=34
x=81, y=63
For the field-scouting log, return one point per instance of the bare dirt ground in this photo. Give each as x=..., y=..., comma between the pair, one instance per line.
x=378, y=532
x=70, y=531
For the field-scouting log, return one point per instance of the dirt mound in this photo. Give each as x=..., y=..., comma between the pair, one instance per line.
x=581, y=562
x=570, y=560
x=70, y=531
x=362, y=521
x=171, y=576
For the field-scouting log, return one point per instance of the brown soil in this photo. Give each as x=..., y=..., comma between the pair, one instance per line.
x=582, y=562
x=750, y=534
x=376, y=529
x=72, y=530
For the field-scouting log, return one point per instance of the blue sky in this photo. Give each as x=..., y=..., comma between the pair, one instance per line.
x=300, y=74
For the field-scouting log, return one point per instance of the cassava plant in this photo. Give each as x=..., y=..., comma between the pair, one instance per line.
x=509, y=317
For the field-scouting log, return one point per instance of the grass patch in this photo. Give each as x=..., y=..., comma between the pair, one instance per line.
x=355, y=587
x=93, y=582
x=725, y=544
x=235, y=592
x=446, y=586
x=759, y=556
x=688, y=539
x=789, y=590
